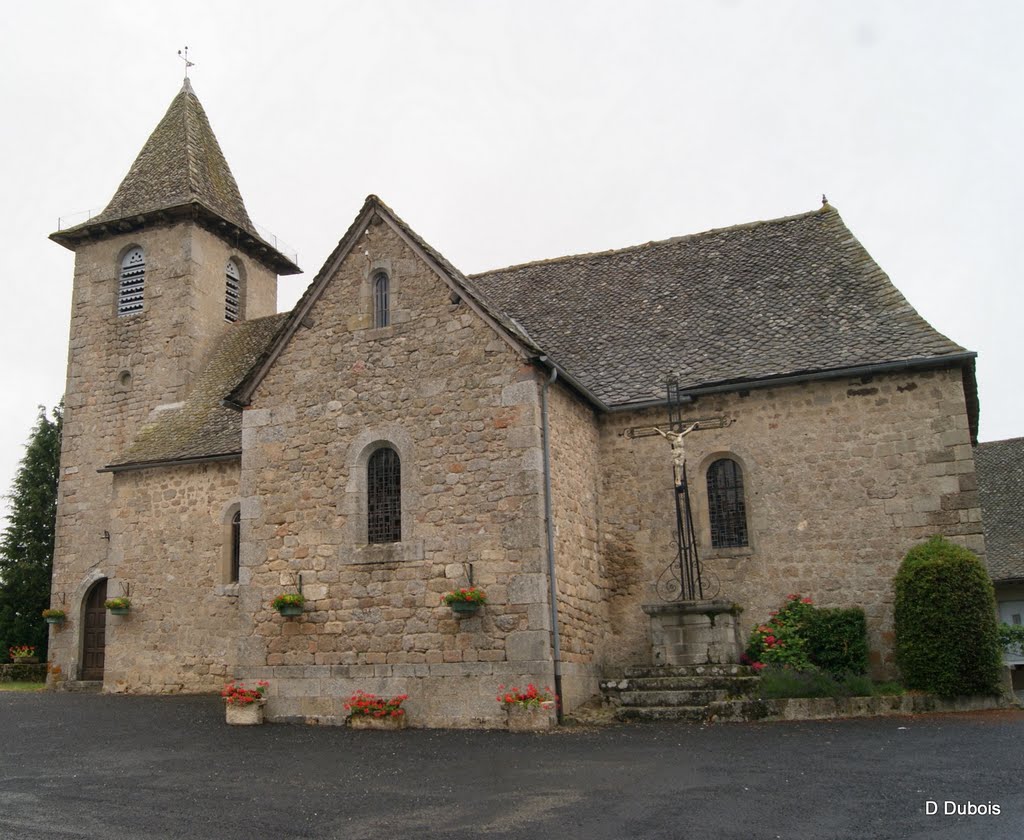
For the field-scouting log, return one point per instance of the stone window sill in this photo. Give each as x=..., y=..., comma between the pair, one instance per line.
x=399, y=552
x=226, y=589
x=397, y=326
x=716, y=553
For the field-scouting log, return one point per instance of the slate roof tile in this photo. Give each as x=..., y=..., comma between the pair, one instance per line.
x=201, y=427
x=1000, y=469
x=180, y=163
x=755, y=301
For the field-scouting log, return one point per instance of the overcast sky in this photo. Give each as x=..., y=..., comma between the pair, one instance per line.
x=505, y=132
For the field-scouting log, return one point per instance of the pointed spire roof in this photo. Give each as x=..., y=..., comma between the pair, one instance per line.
x=181, y=171
x=181, y=163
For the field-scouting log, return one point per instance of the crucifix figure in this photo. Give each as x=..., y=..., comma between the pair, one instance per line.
x=678, y=447
x=683, y=579
x=183, y=55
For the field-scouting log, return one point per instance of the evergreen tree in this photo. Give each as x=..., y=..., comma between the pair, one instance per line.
x=26, y=545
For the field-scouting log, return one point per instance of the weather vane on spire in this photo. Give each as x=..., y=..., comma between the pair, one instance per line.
x=183, y=55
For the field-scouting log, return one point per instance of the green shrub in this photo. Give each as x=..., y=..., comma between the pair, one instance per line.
x=1011, y=638
x=781, y=640
x=778, y=682
x=946, y=637
x=856, y=685
x=805, y=637
x=836, y=640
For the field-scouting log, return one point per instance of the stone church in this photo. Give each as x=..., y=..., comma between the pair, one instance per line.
x=407, y=429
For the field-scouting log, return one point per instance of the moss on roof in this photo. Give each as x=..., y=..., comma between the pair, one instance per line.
x=202, y=427
x=756, y=301
x=180, y=163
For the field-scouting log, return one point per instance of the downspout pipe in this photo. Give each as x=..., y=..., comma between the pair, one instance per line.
x=556, y=641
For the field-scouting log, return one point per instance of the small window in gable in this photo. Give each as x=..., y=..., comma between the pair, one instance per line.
x=132, y=282
x=384, y=497
x=726, y=507
x=381, y=299
x=236, y=547
x=233, y=292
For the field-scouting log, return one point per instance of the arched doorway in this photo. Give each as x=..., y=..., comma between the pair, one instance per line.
x=94, y=637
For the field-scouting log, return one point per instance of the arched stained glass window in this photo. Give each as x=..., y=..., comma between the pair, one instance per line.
x=232, y=292
x=381, y=299
x=384, y=496
x=132, y=283
x=726, y=507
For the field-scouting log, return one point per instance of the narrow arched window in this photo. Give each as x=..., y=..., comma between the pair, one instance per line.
x=132, y=282
x=726, y=507
x=232, y=291
x=236, y=547
x=381, y=299
x=384, y=497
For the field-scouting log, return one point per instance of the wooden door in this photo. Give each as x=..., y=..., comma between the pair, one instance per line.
x=94, y=642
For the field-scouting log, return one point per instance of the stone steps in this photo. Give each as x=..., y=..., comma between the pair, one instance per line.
x=732, y=685
x=716, y=711
x=689, y=714
x=691, y=693
x=671, y=698
x=709, y=670
x=83, y=686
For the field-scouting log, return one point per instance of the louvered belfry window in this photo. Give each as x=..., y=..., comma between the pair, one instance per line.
x=726, y=508
x=384, y=496
x=381, y=299
x=132, y=282
x=233, y=292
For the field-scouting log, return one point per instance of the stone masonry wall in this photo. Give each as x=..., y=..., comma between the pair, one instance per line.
x=444, y=390
x=841, y=479
x=582, y=585
x=119, y=370
x=168, y=543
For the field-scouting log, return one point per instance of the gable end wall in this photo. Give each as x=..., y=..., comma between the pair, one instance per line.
x=463, y=412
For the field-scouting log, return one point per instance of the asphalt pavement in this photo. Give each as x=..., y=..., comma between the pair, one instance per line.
x=93, y=766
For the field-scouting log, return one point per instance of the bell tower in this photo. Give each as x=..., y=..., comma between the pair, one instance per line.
x=171, y=263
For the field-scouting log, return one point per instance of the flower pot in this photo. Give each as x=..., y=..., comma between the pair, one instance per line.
x=244, y=714
x=119, y=610
x=464, y=608
x=370, y=722
x=54, y=619
x=26, y=660
x=530, y=718
x=290, y=609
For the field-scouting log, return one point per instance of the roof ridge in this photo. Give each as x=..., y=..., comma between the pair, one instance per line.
x=1003, y=440
x=669, y=241
x=248, y=321
x=190, y=163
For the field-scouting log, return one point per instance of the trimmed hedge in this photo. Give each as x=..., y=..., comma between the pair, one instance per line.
x=947, y=641
x=836, y=640
x=23, y=673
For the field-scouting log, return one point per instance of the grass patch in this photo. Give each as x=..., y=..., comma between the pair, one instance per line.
x=780, y=683
x=22, y=686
